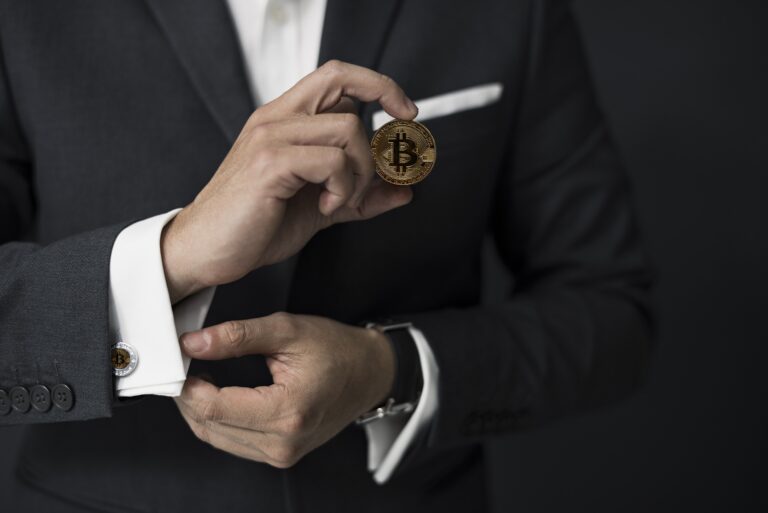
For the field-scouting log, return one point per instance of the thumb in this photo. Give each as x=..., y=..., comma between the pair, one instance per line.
x=233, y=339
x=379, y=198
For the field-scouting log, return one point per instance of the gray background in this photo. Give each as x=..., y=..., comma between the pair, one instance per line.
x=683, y=84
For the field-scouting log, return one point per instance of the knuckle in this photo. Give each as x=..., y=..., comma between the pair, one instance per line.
x=337, y=159
x=386, y=79
x=255, y=116
x=333, y=66
x=251, y=122
x=209, y=412
x=265, y=157
x=285, y=455
x=284, y=324
x=349, y=122
x=202, y=433
x=295, y=424
x=253, y=119
x=259, y=132
x=197, y=413
x=235, y=333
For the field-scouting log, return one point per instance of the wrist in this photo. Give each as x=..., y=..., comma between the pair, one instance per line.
x=386, y=369
x=178, y=266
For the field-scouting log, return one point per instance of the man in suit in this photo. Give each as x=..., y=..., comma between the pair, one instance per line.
x=113, y=114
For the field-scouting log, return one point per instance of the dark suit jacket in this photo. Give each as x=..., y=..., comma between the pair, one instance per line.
x=116, y=110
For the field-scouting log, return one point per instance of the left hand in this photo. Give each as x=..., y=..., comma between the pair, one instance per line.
x=325, y=375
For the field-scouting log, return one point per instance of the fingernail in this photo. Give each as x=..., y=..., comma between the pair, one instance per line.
x=413, y=107
x=194, y=342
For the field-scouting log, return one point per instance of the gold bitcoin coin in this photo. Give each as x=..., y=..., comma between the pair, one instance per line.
x=404, y=152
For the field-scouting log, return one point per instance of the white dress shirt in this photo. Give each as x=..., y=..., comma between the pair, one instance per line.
x=280, y=41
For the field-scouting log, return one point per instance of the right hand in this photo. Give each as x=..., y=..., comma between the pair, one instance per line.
x=301, y=163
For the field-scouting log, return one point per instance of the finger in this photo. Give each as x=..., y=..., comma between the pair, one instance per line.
x=260, y=409
x=257, y=442
x=325, y=87
x=263, y=335
x=235, y=444
x=329, y=129
x=347, y=104
x=380, y=197
x=278, y=446
x=273, y=450
x=287, y=169
x=341, y=130
x=323, y=165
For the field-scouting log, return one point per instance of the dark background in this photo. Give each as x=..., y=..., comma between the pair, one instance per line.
x=683, y=83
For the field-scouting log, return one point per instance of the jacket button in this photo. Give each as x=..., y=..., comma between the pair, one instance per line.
x=63, y=397
x=20, y=399
x=41, y=398
x=5, y=402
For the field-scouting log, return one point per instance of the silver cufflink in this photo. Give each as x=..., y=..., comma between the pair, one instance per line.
x=125, y=359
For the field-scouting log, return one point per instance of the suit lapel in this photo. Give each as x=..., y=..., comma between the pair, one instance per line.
x=356, y=31
x=202, y=34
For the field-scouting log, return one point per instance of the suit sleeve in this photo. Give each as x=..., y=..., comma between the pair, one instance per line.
x=53, y=299
x=574, y=333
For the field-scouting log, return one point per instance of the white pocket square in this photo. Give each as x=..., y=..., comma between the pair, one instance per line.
x=448, y=103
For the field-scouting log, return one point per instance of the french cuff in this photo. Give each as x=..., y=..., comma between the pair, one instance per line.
x=390, y=437
x=141, y=314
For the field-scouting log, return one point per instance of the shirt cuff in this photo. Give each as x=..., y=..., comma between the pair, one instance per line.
x=141, y=314
x=389, y=438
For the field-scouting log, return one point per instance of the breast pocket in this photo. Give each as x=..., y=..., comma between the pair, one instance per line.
x=457, y=118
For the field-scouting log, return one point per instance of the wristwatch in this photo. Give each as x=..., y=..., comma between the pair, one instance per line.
x=389, y=409
x=408, y=379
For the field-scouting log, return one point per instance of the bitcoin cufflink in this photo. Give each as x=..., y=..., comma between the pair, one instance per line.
x=404, y=152
x=124, y=358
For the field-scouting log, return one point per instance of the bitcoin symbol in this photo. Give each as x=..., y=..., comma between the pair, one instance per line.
x=397, y=142
x=124, y=359
x=404, y=152
x=120, y=358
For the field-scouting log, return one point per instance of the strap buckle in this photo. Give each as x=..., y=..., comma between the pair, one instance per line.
x=389, y=409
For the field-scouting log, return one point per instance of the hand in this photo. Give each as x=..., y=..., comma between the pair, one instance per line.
x=325, y=375
x=301, y=163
